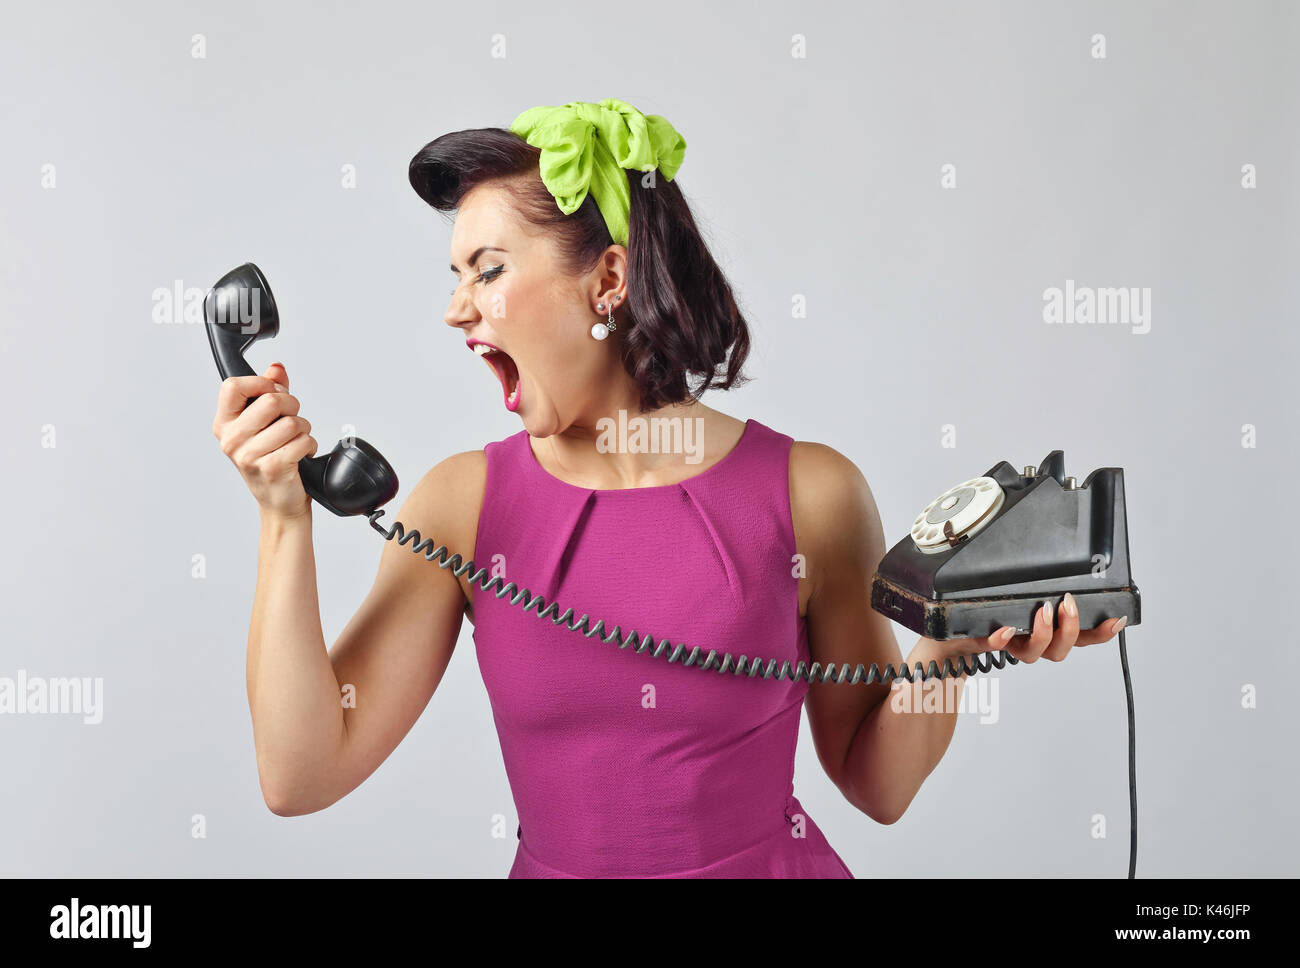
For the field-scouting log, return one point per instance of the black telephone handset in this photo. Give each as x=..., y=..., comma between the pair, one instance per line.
x=353, y=478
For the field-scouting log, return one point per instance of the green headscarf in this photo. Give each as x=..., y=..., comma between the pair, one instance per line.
x=585, y=147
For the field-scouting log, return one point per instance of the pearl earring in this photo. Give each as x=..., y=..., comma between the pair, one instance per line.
x=602, y=330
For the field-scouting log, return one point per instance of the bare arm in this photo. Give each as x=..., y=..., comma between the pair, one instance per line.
x=879, y=743
x=316, y=740
x=877, y=756
x=323, y=722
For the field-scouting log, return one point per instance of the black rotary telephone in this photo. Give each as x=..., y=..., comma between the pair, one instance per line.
x=1040, y=534
x=984, y=554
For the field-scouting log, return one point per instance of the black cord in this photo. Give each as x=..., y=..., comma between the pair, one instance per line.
x=1132, y=760
x=690, y=657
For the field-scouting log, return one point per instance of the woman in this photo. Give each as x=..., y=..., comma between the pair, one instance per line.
x=582, y=280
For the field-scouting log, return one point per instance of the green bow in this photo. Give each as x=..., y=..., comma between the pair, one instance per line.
x=585, y=147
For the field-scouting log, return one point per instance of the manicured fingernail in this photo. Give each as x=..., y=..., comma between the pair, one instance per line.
x=1047, y=612
x=1121, y=623
x=1007, y=633
x=1070, y=608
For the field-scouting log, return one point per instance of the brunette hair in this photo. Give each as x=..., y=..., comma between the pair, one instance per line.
x=681, y=323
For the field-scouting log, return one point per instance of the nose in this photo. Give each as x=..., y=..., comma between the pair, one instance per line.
x=461, y=311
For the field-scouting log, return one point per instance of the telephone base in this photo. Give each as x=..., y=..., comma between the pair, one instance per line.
x=941, y=620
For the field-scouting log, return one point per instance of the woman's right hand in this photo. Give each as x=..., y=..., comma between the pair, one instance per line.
x=266, y=439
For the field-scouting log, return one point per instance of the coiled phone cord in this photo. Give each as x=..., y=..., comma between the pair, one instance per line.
x=763, y=668
x=724, y=662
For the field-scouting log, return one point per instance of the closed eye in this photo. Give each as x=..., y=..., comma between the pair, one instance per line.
x=485, y=277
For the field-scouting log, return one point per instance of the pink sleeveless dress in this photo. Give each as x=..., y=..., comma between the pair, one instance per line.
x=625, y=765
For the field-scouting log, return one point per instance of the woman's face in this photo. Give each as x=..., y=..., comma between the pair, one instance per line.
x=531, y=322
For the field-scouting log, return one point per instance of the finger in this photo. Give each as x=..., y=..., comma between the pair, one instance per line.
x=261, y=413
x=1030, y=648
x=998, y=640
x=300, y=447
x=235, y=392
x=283, y=460
x=274, y=437
x=279, y=374
x=1104, y=632
x=1067, y=630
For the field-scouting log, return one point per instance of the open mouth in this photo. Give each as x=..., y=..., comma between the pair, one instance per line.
x=505, y=368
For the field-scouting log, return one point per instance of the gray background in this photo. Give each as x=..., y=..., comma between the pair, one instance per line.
x=816, y=176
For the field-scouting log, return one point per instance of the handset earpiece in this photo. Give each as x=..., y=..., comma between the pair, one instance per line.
x=353, y=478
x=239, y=310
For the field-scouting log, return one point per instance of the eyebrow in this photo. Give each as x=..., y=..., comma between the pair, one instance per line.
x=477, y=252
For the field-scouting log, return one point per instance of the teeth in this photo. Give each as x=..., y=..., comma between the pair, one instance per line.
x=482, y=349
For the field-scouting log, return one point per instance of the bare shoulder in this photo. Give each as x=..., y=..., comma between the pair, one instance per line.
x=447, y=500
x=444, y=506
x=830, y=500
x=823, y=478
x=455, y=480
